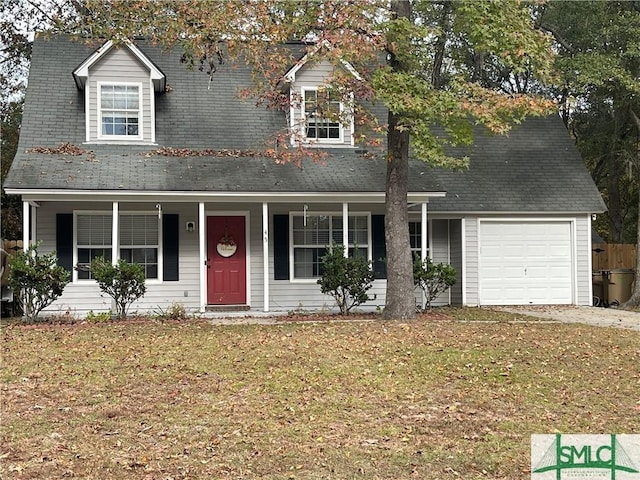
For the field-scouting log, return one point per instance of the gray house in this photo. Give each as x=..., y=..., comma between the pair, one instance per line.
x=229, y=230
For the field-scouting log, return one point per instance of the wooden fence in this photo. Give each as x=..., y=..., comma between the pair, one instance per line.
x=608, y=256
x=9, y=247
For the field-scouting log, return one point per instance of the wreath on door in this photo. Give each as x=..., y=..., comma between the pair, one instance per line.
x=226, y=246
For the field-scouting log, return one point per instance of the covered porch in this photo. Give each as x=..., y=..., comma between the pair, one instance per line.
x=213, y=251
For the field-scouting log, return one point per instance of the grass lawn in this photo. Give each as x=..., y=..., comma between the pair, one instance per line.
x=429, y=399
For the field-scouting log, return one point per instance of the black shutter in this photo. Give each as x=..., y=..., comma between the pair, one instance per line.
x=64, y=240
x=170, y=250
x=281, y=247
x=379, y=247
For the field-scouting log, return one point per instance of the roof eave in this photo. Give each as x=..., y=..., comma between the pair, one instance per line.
x=226, y=196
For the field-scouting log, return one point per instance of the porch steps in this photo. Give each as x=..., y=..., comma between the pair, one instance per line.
x=227, y=308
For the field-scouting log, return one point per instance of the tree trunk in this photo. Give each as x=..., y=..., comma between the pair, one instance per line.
x=400, y=303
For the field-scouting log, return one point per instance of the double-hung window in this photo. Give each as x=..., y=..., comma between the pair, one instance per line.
x=139, y=240
x=119, y=111
x=313, y=235
x=321, y=112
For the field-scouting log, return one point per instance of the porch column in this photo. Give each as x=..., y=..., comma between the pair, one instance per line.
x=423, y=232
x=25, y=225
x=345, y=228
x=33, y=221
x=115, y=228
x=202, y=239
x=423, y=243
x=265, y=255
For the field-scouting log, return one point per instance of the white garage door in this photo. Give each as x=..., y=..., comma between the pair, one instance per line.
x=525, y=263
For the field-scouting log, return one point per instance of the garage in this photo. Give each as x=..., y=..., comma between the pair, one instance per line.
x=525, y=262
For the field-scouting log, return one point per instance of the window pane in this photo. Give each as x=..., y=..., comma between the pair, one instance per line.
x=151, y=255
x=126, y=254
x=152, y=271
x=358, y=252
x=138, y=255
x=303, y=263
x=93, y=230
x=139, y=230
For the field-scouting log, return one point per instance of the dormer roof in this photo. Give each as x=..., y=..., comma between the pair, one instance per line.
x=290, y=76
x=81, y=73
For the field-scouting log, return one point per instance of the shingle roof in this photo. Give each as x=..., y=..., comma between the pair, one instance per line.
x=535, y=169
x=343, y=171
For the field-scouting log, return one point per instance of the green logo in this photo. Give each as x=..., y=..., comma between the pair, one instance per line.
x=584, y=456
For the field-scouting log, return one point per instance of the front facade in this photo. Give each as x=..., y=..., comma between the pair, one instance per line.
x=124, y=153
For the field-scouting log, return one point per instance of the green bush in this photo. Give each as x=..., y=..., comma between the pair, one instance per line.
x=36, y=280
x=346, y=279
x=98, y=316
x=432, y=278
x=123, y=282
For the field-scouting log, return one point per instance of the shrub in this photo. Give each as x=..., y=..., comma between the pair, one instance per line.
x=36, y=280
x=346, y=279
x=123, y=282
x=176, y=311
x=432, y=278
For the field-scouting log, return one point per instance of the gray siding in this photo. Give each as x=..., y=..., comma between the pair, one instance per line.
x=455, y=238
x=119, y=65
x=583, y=254
x=470, y=279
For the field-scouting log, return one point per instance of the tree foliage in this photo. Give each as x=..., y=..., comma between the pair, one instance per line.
x=123, y=282
x=598, y=69
x=346, y=279
x=36, y=280
x=11, y=216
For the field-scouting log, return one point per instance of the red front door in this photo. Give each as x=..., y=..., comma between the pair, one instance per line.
x=226, y=261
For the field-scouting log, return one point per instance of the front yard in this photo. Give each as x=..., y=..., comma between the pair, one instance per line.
x=430, y=399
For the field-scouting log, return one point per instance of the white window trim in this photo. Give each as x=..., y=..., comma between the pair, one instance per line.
x=119, y=138
x=150, y=281
x=303, y=121
x=292, y=277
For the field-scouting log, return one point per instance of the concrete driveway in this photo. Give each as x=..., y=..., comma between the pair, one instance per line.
x=601, y=317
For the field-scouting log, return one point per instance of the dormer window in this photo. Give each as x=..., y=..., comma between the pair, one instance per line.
x=318, y=113
x=119, y=111
x=322, y=115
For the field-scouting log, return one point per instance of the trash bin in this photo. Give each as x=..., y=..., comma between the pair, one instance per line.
x=620, y=281
x=598, y=289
